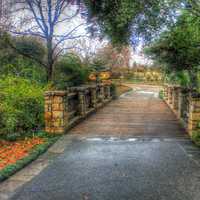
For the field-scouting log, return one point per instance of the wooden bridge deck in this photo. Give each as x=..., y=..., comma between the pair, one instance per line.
x=140, y=113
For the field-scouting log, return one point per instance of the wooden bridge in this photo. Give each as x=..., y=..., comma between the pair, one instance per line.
x=138, y=113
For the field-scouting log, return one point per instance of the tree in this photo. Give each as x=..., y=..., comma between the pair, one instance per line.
x=114, y=57
x=179, y=48
x=193, y=6
x=42, y=19
x=125, y=21
x=87, y=48
x=70, y=71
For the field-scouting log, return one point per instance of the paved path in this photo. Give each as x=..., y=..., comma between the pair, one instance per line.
x=133, y=149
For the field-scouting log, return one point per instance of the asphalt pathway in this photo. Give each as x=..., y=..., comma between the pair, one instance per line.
x=133, y=149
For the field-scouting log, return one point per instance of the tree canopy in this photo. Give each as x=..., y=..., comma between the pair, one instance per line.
x=179, y=48
x=125, y=21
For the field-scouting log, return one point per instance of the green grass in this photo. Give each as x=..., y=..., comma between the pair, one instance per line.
x=141, y=81
x=33, y=155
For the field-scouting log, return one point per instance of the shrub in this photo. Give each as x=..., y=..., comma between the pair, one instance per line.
x=161, y=94
x=196, y=137
x=69, y=71
x=21, y=105
x=13, y=63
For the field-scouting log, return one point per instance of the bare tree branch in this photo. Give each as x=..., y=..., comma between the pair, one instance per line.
x=41, y=18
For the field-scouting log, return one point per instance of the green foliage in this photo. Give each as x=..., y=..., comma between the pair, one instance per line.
x=21, y=105
x=121, y=19
x=161, y=94
x=25, y=68
x=30, y=46
x=196, y=137
x=98, y=64
x=14, y=64
x=69, y=71
x=178, y=50
x=181, y=78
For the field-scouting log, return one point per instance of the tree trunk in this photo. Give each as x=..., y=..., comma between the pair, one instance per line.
x=50, y=61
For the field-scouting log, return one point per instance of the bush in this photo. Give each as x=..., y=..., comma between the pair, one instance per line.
x=24, y=68
x=21, y=106
x=14, y=64
x=69, y=71
x=161, y=94
x=196, y=137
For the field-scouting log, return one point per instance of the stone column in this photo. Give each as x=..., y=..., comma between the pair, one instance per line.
x=56, y=117
x=109, y=91
x=82, y=103
x=194, y=114
x=166, y=92
x=180, y=99
x=175, y=97
x=170, y=88
x=102, y=92
x=94, y=97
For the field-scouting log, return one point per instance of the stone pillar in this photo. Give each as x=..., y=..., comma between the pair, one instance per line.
x=180, y=100
x=56, y=118
x=175, y=97
x=94, y=97
x=194, y=114
x=109, y=91
x=170, y=88
x=82, y=103
x=166, y=92
x=102, y=92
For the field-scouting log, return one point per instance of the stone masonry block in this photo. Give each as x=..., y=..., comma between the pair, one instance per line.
x=48, y=115
x=195, y=116
x=58, y=114
x=56, y=107
x=57, y=99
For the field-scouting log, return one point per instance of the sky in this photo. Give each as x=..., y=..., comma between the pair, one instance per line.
x=87, y=44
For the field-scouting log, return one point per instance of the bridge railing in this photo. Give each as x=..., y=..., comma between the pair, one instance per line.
x=63, y=109
x=185, y=103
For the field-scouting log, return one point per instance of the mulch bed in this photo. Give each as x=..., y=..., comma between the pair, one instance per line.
x=11, y=152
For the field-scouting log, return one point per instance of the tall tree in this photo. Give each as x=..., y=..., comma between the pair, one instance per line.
x=125, y=21
x=43, y=19
x=179, y=48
